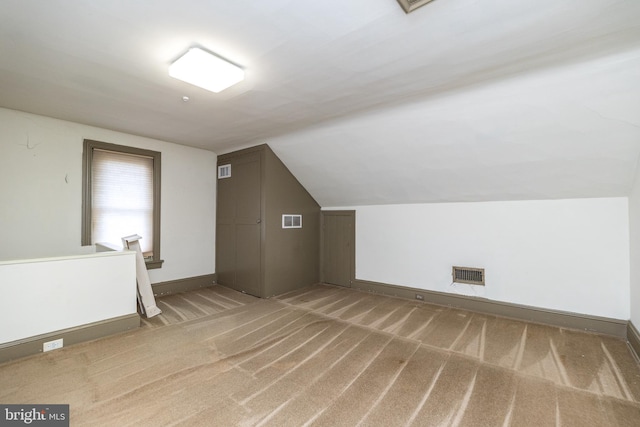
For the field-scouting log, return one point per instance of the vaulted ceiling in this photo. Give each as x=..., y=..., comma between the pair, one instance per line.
x=461, y=100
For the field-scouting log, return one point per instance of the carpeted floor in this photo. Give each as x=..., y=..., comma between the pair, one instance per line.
x=331, y=356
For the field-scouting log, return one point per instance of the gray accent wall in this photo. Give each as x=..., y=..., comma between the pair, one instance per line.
x=288, y=258
x=292, y=254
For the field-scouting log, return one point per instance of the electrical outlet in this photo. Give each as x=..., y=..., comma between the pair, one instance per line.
x=419, y=297
x=52, y=345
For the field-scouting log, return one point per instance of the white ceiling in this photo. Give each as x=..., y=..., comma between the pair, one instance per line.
x=461, y=100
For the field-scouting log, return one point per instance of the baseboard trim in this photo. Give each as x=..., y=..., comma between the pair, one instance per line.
x=633, y=336
x=601, y=325
x=33, y=345
x=183, y=285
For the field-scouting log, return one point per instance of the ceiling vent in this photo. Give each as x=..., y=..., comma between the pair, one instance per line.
x=473, y=276
x=411, y=5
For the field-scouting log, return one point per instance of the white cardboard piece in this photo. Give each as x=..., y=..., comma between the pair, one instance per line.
x=145, y=294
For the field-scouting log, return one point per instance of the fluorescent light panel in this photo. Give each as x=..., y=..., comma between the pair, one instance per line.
x=205, y=70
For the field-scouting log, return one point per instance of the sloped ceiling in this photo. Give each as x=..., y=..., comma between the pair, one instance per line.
x=462, y=100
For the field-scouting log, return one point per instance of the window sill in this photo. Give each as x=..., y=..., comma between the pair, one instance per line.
x=153, y=264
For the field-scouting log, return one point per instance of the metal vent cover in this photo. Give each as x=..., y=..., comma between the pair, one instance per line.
x=224, y=171
x=473, y=276
x=291, y=221
x=411, y=5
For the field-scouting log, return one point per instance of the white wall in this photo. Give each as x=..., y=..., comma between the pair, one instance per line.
x=41, y=185
x=570, y=255
x=47, y=295
x=634, y=236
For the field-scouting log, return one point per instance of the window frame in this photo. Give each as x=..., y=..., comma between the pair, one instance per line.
x=87, y=160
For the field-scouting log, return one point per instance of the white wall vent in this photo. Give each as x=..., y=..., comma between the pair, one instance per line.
x=291, y=221
x=473, y=276
x=224, y=171
x=411, y=5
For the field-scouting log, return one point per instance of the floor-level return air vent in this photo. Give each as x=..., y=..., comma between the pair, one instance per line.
x=473, y=276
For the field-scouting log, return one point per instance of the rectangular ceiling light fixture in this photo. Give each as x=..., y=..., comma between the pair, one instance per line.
x=202, y=69
x=411, y=5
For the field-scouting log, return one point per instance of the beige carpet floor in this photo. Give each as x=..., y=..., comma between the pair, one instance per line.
x=334, y=357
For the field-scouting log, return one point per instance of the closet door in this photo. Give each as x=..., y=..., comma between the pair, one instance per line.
x=338, y=248
x=239, y=225
x=225, y=233
x=248, y=223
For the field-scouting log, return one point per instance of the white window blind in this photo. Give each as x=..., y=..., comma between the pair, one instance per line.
x=122, y=198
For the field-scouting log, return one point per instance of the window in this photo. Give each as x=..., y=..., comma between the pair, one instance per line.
x=121, y=196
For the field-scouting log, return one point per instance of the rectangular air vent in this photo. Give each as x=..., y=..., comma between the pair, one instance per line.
x=291, y=221
x=411, y=5
x=473, y=276
x=224, y=171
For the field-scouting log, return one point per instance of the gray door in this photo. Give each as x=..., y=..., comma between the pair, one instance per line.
x=248, y=223
x=238, y=249
x=338, y=247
